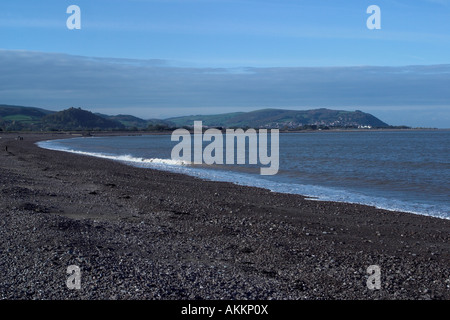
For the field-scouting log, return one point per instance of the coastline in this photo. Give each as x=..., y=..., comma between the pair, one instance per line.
x=148, y=234
x=315, y=190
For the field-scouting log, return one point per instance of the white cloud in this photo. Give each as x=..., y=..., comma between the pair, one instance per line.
x=151, y=88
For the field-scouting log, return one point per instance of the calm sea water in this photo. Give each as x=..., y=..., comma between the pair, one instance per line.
x=395, y=170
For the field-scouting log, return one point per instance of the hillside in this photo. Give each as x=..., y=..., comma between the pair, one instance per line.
x=9, y=111
x=17, y=118
x=279, y=118
x=132, y=122
x=20, y=118
x=78, y=119
x=128, y=121
x=226, y=119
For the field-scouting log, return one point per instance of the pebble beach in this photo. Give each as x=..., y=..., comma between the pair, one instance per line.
x=143, y=234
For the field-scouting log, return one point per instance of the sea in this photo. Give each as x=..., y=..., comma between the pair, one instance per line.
x=404, y=170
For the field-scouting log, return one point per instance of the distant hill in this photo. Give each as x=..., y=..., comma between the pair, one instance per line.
x=78, y=119
x=128, y=121
x=21, y=118
x=279, y=118
x=8, y=112
x=223, y=120
x=133, y=122
x=17, y=118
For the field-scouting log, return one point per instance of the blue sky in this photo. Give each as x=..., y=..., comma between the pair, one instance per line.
x=226, y=38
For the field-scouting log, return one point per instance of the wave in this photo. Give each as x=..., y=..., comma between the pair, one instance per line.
x=321, y=193
x=312, y=192
x=124, y=158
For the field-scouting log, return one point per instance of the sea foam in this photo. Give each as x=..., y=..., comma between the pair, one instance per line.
x=313, y=192
x=123, y=158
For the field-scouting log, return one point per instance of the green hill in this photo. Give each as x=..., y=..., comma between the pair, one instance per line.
x=279, y=118
x=17, y=118
x=9, y=111
x=128, y=121
x=133, y=122
x=226, y=119
x=78, y=119
x=21, y=118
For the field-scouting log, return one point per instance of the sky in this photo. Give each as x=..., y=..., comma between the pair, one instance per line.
x=163, y=58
